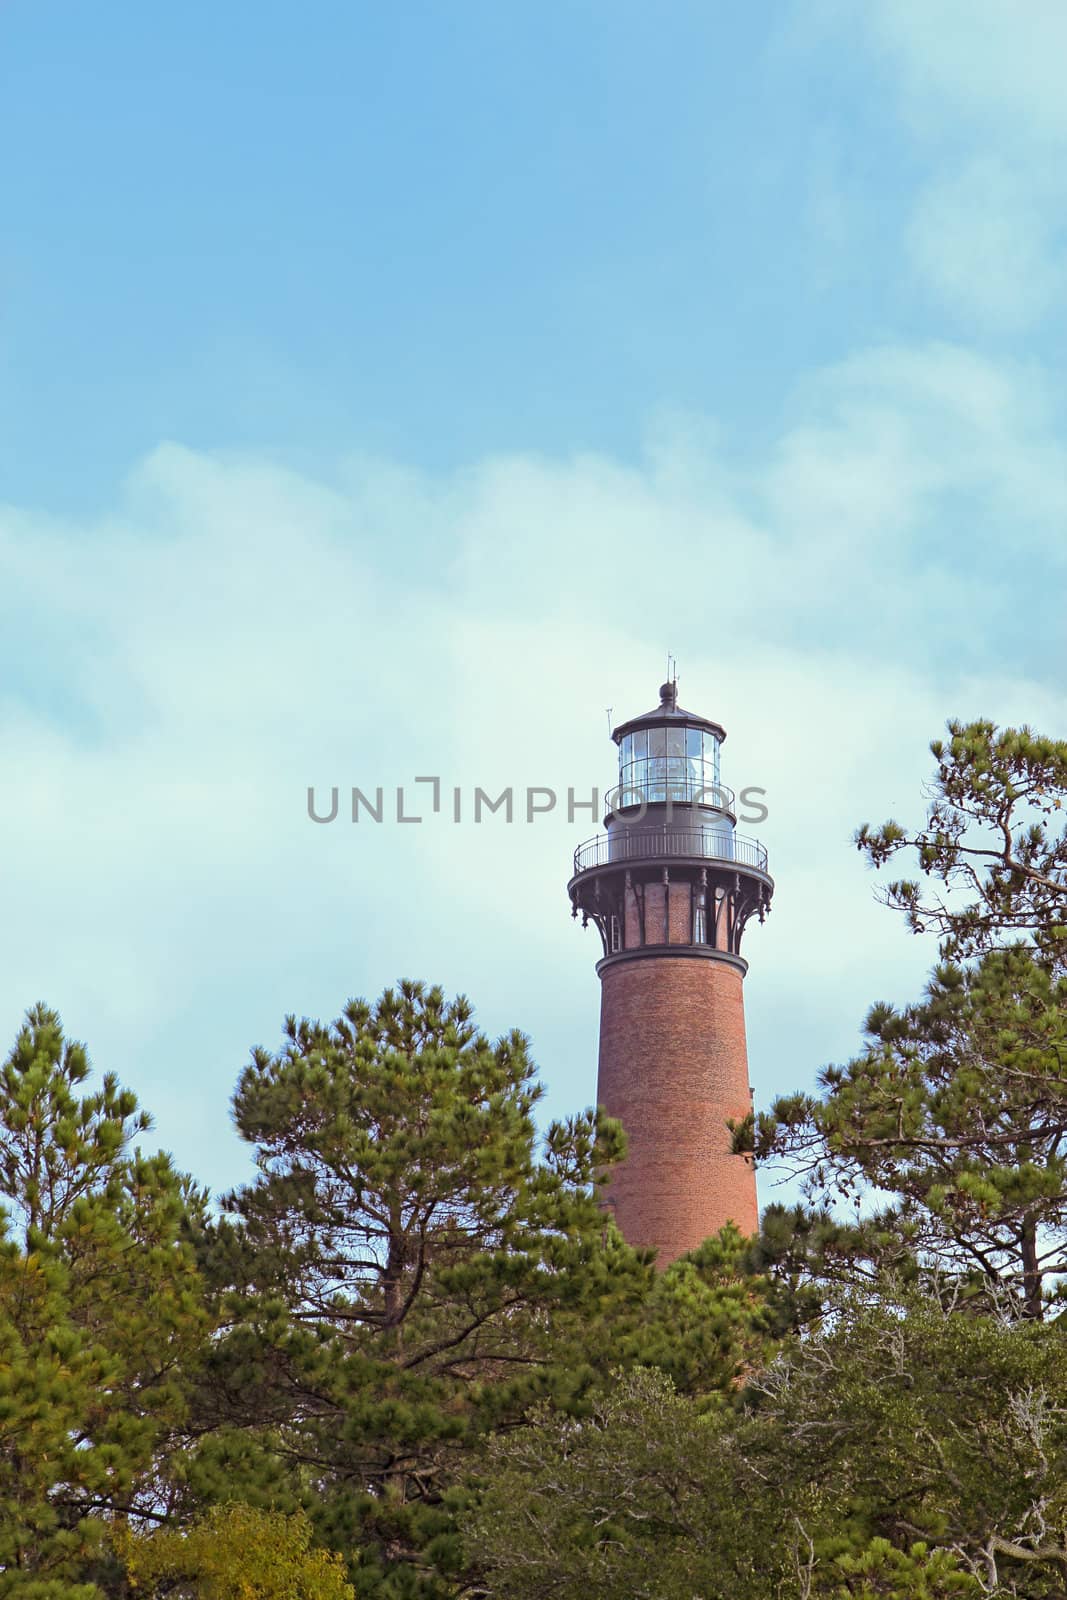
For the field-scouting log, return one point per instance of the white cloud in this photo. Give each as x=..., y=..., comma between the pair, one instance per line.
x=998, y=62
x=978, y=85
x=232, y=632
x=989, y=241
x=982, y=85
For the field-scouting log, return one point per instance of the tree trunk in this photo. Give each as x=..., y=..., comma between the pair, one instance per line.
x=1031, y=1271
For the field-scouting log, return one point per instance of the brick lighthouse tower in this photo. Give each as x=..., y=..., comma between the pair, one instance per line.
x=670, y=886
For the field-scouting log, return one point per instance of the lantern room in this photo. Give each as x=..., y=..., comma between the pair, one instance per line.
x=670, y=755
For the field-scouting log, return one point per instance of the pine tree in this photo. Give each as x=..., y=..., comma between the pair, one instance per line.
x=957, y=1106
x=993, y=840
x=411, y=1267
x=102, y=1313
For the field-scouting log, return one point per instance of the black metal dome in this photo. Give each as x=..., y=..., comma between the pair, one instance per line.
x=670, y=712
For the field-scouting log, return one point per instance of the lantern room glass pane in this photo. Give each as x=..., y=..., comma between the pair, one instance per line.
x=669, y=763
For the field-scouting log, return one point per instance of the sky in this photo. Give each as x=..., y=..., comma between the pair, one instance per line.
x=385, y=391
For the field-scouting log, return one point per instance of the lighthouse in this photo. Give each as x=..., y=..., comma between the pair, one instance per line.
x=670, y=886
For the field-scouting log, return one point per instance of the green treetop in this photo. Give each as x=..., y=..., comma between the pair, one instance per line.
x=993, y=850
x=411, y=1266
x=102, y=1314
x=958, y=1108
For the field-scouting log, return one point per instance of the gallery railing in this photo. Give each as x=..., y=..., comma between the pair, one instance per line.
x=654, y=844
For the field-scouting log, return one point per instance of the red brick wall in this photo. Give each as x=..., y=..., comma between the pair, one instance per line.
x=673, y=1067
x=681, y=911
x=657, y=927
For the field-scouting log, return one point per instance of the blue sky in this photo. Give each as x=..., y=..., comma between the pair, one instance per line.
x=385, y=391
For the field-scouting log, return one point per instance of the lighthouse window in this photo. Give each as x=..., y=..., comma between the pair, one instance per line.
x=679, y=764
